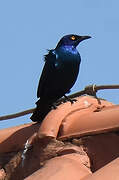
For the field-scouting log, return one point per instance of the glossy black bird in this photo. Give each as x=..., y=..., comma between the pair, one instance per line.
x=59, y=74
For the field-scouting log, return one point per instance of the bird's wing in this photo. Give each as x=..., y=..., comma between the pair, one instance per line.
x=48, y=73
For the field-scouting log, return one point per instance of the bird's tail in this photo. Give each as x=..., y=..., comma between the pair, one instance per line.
x=40, y=112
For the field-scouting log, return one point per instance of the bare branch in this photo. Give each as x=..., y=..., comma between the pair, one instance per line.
x=89, y=90
x=11, y=116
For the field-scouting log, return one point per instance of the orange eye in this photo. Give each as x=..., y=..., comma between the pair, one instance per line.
x=73, y=38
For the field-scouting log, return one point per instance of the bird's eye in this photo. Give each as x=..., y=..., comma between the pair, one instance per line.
x=73, y=38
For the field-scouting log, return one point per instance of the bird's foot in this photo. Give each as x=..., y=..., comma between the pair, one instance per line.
x=73, y=100
x=70, y=100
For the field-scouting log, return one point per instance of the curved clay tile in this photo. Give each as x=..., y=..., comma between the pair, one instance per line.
x=101, y=149
x=90, y=122
x=61, y=168
x=85, y=116
x=108, y=172
x=14, y=138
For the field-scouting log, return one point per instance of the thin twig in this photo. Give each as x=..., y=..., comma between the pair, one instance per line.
x=11, y=116
x=90, y=90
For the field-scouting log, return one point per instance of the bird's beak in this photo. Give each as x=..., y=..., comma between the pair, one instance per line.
x=81, y=38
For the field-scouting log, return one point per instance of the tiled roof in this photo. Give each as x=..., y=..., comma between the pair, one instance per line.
x=72, y=142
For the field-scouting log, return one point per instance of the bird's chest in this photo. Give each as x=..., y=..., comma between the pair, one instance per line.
x=67, y=62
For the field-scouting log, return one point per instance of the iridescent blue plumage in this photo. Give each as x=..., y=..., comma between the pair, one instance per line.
x=59, y=74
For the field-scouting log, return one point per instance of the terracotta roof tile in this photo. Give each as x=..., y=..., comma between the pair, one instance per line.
x=101, y=149
x=14, y=138
x=110, y=172
x=84, y=117
x=78, y=151
x=64, y=167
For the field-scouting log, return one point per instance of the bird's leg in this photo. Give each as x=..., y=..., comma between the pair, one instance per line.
x=71, y=100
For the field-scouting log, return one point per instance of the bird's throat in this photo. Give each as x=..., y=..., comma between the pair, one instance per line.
x=70, y=49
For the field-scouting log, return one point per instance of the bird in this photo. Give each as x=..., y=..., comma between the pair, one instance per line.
x=58, y=75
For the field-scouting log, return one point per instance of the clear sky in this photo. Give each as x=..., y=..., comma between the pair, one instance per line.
x=28, y=28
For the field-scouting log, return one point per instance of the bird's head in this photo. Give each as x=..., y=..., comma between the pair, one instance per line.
x=71, y=40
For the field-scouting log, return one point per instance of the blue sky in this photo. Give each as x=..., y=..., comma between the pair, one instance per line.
x=28, y=28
